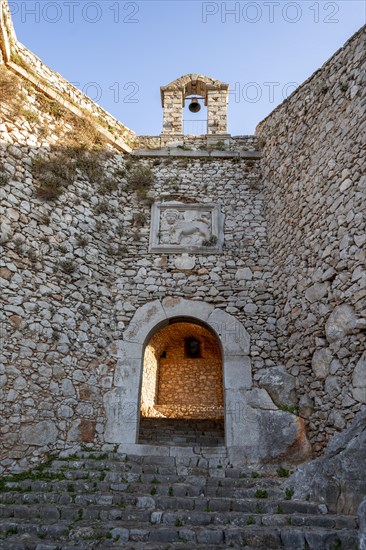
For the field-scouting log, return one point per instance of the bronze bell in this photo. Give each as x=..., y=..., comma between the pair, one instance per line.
x=194, y=106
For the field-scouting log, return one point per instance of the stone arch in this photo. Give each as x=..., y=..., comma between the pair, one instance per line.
x=193, y=84
x=214, y=93
x=255, y=429
x=150, y=318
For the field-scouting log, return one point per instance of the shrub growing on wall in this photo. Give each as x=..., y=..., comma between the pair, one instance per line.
x=11, y=93
x=82, y=150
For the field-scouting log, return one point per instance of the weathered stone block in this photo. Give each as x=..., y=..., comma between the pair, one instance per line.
x=120, y=533
x=320, y=363
x=279, y=384
x=337, y=478
x=40, y=434
x=129, y=365
x=316, y=292
x=145, y=503
x=362, y=520
x=82, y=430
x=146, y=318
x=238, y=373
x=234, y=338
x=175, y=306
x=342, y=321
x=121, y=410
x=264, y=433
x=244, y=274
x=359, y=380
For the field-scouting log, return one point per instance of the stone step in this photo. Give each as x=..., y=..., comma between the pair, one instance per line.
x=181, y=432
x=217, y=476
x=237, y=505
x=13, y=491
x=148, y=474
x=33, y=543
x=145, y=512
x=62, y=470
x=182, y=424
x=202, y=466
x=156, y=431
x=175, y=452
x=189, y=431
x=165, y=504
x=195, y=487
x=168, y=427
x=179, y=441
x=91, y=499
x=287, y=537
x=169, y=455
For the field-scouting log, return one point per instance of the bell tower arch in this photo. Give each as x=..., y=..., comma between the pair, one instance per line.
x=215, y=97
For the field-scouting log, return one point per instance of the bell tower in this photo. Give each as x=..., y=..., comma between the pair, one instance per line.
x=213, y=93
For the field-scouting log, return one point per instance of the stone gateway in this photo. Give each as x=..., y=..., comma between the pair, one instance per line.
x=255, y=429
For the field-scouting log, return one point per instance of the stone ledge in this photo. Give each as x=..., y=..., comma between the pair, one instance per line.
x=7, y=32
x=119, y=144
x=176, y=152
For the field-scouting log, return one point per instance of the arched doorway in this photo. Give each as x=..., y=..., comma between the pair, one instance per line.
x=256, y=431
x=122, y=403
x=182, y=400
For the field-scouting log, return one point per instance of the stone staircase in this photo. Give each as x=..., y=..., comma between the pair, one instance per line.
x=191, y=411
x=107, y=500
x=181, y=433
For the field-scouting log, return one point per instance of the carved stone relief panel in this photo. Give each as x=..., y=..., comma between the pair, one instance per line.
x=186, y=228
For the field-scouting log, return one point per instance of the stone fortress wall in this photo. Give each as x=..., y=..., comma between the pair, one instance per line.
x=26, y=64
x=314, y=177
x=76, y=266
x=75, y=271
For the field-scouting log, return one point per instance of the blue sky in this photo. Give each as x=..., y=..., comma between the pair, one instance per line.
x=120, y=52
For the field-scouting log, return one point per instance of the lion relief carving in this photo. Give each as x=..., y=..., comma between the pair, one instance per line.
x=189, y=228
